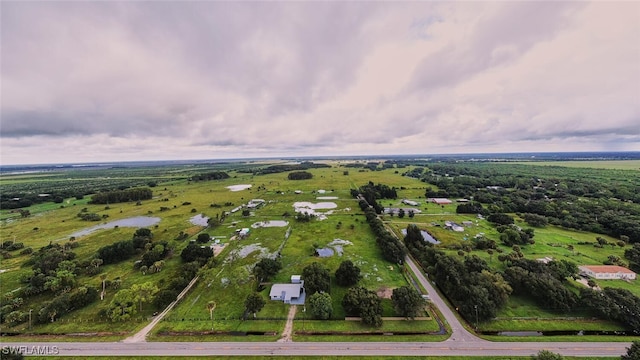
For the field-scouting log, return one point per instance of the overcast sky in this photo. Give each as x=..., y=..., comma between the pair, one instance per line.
x=108, y=81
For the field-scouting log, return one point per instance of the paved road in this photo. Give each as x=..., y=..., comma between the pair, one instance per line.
x=458, y=332
x=453, y=348
x=141, y=336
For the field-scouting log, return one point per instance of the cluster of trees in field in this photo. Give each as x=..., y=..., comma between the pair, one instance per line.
x=214, y=175
x=471, y=285
x=119, y=196
x=55, y=273
x=274, y=169
x=372, y=192
x=600, y=201
x=300, y=175
x=24, y=194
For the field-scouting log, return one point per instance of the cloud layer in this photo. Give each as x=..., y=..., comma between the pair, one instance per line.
x=106, y=81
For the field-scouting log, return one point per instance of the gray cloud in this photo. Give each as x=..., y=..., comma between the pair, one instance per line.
x=233, y=79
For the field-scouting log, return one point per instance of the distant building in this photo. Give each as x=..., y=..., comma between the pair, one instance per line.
x=410, y=202
x=255, y=203
x=607, y=272
x=243, y=233
x=440, y=201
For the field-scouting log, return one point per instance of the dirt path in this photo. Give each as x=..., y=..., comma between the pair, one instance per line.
x=288, y=328
x=141, y=336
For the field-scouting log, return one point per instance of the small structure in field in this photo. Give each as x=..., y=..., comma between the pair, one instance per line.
x=607, y=272
x=293, y=293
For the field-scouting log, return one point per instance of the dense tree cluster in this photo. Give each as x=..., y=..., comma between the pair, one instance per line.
x=615, y=304
x=470, y=285
x=543, y=282
x=179, y=281
x=215, y=175
x=122, y=250
x=274, y=169
x=595, y=200
x=472, y=207
x=347, y=274
x=407, y=302
x=253, y=304
x=316, y=278
x=320, y=306
x=195, y=252
x=300, y=175
x=358, y=301
x=371, y=193
x=119, y=196
x=266, y=268
x=633, y=255
x=512, y=235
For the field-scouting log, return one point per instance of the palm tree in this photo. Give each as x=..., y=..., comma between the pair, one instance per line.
x=103, y=277
x=211, y=305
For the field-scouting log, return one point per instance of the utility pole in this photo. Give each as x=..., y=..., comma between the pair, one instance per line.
x=476, y=307
x=30, y=310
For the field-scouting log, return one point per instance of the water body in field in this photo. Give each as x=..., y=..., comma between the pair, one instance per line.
x=239, y=187
x=199, y=220
x=425, y=235
x=271, y=223
x=135, y=222
x=310, y=208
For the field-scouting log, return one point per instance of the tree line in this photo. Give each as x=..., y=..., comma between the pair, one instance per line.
x=600, y=201
x=119, y=196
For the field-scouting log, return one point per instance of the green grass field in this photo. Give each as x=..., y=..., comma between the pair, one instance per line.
x=229, y=282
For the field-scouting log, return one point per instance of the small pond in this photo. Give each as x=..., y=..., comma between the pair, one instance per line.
x=427, y=237
x=336, y=246
x=271, y=223
x=136, y=222
x=199, y=220
x=314, y=206
x=239, y=187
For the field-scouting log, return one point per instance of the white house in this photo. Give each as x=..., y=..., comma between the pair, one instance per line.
x=607, y=272
x=293, y=294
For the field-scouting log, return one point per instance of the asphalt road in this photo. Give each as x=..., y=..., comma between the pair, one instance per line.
x=458, y=332
x=448, y=348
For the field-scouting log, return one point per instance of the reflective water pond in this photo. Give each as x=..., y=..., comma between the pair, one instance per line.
x=136, y=222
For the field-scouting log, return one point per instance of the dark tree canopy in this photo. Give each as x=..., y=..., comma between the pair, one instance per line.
x=407, y=302
x=320, y=305
x=195, y=252
x=347, y=274
x=633, y=352
x=215, y=175
x=300, y=175
x=119, y=196
x=358, y=301
x=266, y=268
x=316, y=278
x=500, y=219
x=254, y=303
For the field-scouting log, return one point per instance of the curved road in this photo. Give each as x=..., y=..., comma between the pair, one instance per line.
x=458, y=331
